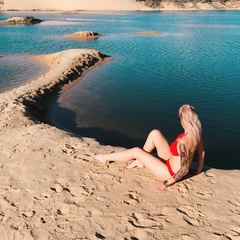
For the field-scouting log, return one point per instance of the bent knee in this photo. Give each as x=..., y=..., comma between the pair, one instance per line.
x=137, y=150
x=155, y=133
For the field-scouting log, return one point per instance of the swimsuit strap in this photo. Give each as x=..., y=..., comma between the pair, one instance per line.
x=180, y=136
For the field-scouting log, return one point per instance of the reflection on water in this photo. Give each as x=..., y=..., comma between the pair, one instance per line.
x=196, y=60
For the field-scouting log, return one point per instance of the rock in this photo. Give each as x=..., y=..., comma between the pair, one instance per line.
x=21, y=21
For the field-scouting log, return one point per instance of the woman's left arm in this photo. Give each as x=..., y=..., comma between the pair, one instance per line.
x=184, y=163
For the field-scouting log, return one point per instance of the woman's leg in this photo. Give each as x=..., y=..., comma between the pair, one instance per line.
x=153, y=164
x=123, y=156
x=154, y=140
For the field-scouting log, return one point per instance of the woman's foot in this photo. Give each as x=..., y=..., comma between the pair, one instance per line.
x=134, y=164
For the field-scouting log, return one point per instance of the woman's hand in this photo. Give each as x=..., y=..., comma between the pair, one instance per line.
x=159, y=186
x=194, y=171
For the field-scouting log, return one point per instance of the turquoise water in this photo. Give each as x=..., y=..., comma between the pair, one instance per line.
x=196, y=60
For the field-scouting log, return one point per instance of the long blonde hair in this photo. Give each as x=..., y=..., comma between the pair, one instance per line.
x=190, y=122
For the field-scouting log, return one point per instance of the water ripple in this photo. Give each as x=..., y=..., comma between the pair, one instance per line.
x=17, y=70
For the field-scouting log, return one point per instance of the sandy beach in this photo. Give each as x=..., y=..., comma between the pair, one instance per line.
x=52, y=188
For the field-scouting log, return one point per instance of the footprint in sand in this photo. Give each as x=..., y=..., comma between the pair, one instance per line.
x=78, y=193
x=140, y=221
x=186, y=237
x=235, y=206
x=57, y=188
x=203, y=193
x=235, y=232
x=81, y=193
x=210, y=174
x=168, y=211
x=101, y=199
x=131, y=197
x=234, y=203
x=70, y=150
x=232, y=235
x=138, y=234
x=193, y=216
x=210, y=177
x=183, y=189
x=83, y=157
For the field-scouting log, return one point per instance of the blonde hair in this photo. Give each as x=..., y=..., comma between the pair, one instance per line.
x=190, y=122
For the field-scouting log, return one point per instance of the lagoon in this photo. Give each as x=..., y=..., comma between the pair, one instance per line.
x=196, y=60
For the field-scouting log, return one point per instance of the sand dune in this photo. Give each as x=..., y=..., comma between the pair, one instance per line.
x=52, y=188
x=114, y=5
x=74, y=5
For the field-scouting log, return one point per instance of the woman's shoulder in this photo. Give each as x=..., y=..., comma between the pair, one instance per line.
x=179, y=136
x=187, y=144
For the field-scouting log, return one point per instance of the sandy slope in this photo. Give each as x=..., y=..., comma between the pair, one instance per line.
x=52, y=188
x=74, y=5
x=115, y=5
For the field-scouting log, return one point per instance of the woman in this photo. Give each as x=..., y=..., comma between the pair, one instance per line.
x=173, y=161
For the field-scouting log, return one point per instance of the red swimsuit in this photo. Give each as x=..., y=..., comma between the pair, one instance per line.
x=174, y=151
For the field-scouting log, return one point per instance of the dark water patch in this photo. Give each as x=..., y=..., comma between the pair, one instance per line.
x=66, y=120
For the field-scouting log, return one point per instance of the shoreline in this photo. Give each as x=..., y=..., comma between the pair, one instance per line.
x=174, y=10
x=64, y=87
x=52, y=188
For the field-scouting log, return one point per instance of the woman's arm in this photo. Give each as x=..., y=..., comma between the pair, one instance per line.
x=184, y=162
x=200, y=154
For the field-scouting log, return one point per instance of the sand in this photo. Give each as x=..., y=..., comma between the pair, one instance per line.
x=91, y=5
x=114, y=5
x=52, y=188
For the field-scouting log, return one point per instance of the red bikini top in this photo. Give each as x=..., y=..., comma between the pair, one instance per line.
x=173, y=146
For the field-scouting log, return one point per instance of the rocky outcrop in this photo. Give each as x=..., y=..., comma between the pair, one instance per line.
x=192, y=5
x=21, y=21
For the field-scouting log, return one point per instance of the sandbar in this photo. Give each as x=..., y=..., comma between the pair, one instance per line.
x=83, y=36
